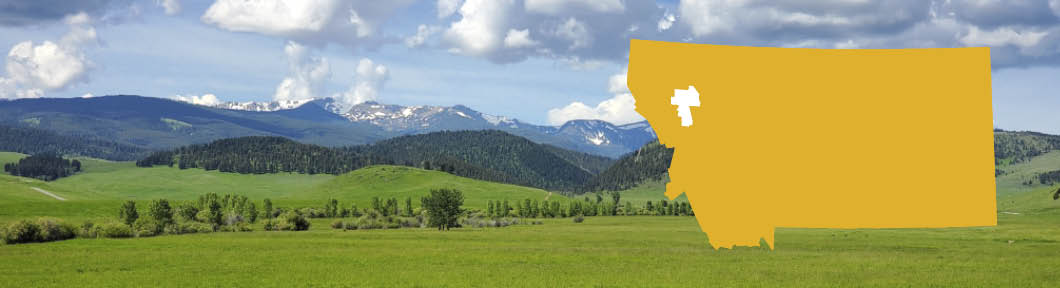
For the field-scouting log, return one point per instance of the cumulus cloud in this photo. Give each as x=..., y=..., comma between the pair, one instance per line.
x=557, y=7
x=205, y=100
x=619, y=109
x=350, y=23
x=369, y=81
x=666, y=22
x=1020, y=33
x=518, y=39
x=571, y=31
x=447, y=8
x=33, y=69
x=423, y=32
x=307, y=74
x=171, y=7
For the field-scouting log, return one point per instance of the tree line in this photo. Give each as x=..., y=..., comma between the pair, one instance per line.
x=33, y=141
x=488, y=155
x=45, y=167
x=650, y=162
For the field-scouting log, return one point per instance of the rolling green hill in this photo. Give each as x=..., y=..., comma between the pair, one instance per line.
x=489, y=155
x=98, y=191
x=400, y=182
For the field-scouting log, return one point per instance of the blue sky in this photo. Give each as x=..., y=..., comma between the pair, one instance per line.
x=542, y=61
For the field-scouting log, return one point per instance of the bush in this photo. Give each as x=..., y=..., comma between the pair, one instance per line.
x=579, y=219
x=337, y=224
x=349, y=225
x=54, y=230
x=88, y=230
x=147, y=227
x=23, y=231
x=240, y=227
x=115, y=230
x=289, y=221
x=188, y=228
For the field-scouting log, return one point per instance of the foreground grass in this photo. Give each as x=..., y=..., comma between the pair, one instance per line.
x=603, y=251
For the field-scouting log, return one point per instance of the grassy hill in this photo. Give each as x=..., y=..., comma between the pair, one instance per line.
x=98, y=191
x=400, y=182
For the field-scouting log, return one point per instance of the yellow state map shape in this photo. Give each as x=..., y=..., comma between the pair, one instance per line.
x=822, y=138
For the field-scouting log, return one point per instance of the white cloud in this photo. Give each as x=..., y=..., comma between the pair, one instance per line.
x=369, y=81
x=307, y=76
x=349, y=23
x=479, y=28
x=423, y=32
x=33, y=69
x=556, y=7
x=617, y=84
x=205, y=100
x=557, y=29
x=666, y=22
x=576, y=32
x=447, y=8
x=620, y=109
x=1001, y=37
x=271, y=17
x=519, y=39
x=171, y=7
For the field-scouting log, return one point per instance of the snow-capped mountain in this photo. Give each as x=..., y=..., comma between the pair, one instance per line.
x=328, y=104
x=590, y=136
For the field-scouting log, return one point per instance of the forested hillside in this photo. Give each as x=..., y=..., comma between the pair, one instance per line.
x=521, y=161
x=1015, y=147
x=262, y=154
x=650, y=162
x=486, y=155
x=36, y=141
x=45, y=167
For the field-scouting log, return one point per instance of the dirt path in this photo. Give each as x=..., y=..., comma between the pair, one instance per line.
x=45, y=192
x=549, y=195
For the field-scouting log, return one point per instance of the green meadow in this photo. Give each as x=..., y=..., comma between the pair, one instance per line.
x=627, y=251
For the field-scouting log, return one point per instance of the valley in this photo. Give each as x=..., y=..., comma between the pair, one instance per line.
x=617, y=249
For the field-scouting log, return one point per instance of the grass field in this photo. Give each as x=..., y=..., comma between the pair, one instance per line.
x=637, y=251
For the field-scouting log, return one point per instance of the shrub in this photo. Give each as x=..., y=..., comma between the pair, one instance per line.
x=579, y=219
x=289, y=221
x=232, y=218
x=189, y=227
x=240, y=227
x=147, y=227
x=23, y=231
x=54, y=229
x=337, y=224
x=349, y=225
x=297, y=222
x=366, y=222
x=115, y=230
x=88, y=230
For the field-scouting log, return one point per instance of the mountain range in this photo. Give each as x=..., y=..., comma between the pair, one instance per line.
x=156, y=123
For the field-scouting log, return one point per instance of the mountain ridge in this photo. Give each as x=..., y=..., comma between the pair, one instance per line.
x=159, y=123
